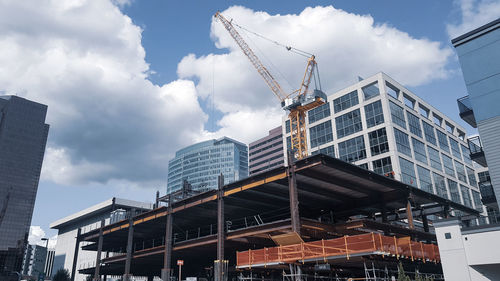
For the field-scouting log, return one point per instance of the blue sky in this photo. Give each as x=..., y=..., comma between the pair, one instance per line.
x=129, y=82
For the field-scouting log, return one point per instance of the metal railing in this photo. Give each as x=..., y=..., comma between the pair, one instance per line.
x=475, y=145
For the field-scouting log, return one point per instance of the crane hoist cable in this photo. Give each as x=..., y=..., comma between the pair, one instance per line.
x=296, y=103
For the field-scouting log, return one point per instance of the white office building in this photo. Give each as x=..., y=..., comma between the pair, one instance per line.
x=380, y=125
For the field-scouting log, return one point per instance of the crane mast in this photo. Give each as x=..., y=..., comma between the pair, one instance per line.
x=296, y=103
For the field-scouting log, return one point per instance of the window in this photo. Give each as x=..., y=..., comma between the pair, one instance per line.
x=434, y=157
x=352, y=150
x=472, y=177
x=419, y=149
x=429, y=133
x=402, y=142
x=437, y=120
x=287, y=126
x=378, y=142
x=440, y=186
x=466, y=196
x=450, y=128
x=397, y=114
x=348, y=123
x=414, y=123
x=392, y=91
x=319, y=113
x=371, y=90
x=448, y=165
x=329, y=150
x=477, y=200
x=466, y=154
x=424, y=177
x=374, y=114
x=321, y=134
x=382, y=166
x=423, y=111
x=443, y=141
x=407, y=172
x=345, y=101
x=460, y=171
x=364, y=166
x=484, y=176
x=409, y=101
x=455, y=195
x=447, y=235
x=455, y=149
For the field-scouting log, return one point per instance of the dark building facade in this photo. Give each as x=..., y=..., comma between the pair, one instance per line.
x=23, y=135
x=266, y=153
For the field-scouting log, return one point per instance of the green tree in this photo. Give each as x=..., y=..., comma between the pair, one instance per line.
x=61, y=275
x=401, y=273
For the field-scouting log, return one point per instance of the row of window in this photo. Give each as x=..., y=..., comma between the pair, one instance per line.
x=450, y=166
x=408, y=176
x=445, y=142
x=346, y=124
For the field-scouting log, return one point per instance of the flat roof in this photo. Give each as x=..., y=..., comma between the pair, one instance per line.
x=481, y=29
x=100, y=207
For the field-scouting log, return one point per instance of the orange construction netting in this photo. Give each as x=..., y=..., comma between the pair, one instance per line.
x=345, y=246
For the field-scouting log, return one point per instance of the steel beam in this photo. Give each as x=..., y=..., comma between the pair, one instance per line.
x=166, y=272
x=220, y=227
x=130, y=240
x=97, y=275
x=75, y=255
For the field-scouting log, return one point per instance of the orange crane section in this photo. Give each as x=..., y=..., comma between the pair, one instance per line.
x=296, y=103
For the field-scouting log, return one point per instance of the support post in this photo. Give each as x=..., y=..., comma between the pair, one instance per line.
x=409, y=215
x=425, y=222
x=166, y=272
x=97, y=275
x=293, y=195
x=75, y=255
x=446, y=211
x=384, y=213
x=221, y=235
x=130, y=240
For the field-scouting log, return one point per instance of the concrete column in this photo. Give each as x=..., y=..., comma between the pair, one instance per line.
x=75, y=254
x=166, y=272
x=130, y=240
x=293, y=195
x=97, y=275
x=221, y=230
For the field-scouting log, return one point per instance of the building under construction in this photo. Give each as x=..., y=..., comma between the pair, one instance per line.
x=320, y=218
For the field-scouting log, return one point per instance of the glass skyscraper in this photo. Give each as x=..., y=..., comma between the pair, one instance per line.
x=200, y=164
x=23, y=135
x=380, y=125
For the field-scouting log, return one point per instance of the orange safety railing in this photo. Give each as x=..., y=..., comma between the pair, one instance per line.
x=345, y=246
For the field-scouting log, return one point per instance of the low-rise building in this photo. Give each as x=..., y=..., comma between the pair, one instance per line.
x=86, y=220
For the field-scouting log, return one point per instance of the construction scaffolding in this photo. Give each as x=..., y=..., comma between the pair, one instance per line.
x=344, y=247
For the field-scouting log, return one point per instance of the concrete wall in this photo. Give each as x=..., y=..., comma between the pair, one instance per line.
x=468, y=254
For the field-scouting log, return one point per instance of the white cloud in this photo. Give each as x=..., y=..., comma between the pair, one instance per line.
x=85, y=60
x=35, y=237
x=475, y=13
x=346, y=45
x=111, y=125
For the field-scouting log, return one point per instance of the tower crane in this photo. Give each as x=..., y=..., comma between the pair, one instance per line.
x=296, y=103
